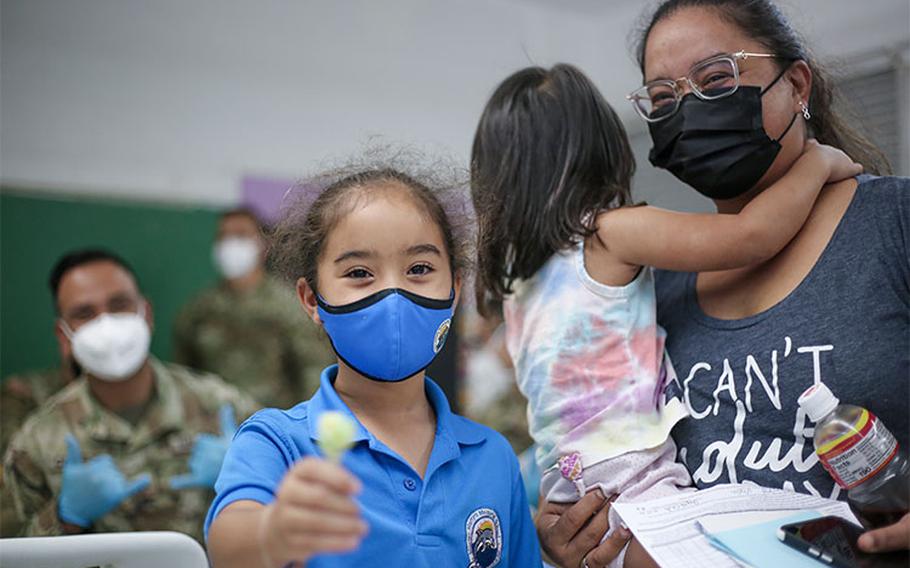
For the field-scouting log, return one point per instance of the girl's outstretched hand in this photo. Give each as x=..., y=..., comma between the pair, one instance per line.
x=313, y=513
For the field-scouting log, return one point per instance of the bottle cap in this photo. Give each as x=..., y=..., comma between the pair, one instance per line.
x=818, y=401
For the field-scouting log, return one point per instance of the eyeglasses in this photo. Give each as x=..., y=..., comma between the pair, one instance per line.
x=713, y=78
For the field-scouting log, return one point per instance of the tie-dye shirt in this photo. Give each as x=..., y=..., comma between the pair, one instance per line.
x=590, y=360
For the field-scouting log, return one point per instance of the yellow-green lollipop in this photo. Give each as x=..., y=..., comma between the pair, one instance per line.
x=336, y=434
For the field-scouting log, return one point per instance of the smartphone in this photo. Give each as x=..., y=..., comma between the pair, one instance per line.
x=833, y=540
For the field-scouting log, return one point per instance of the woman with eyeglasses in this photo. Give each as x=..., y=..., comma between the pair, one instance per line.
x=577, y=291
x=731, y=96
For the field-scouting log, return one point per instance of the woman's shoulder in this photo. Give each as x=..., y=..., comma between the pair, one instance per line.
x=881, y=206
x=884, y=183
x=891, y=192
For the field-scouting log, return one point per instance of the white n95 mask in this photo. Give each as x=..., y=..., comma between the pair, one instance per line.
x=111, y=347
x=235, y=257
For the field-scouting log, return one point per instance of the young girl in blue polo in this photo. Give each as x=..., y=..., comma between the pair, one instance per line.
x=377, y=264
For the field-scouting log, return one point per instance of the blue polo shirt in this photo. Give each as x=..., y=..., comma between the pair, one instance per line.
x=470, y=508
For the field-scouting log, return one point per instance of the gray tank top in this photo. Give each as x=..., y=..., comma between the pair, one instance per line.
x=847, y=325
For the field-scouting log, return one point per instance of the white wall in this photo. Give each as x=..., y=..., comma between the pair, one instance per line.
x=176, y=99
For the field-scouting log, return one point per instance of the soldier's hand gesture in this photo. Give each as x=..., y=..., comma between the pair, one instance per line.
x=92, y=489
x=208, y=454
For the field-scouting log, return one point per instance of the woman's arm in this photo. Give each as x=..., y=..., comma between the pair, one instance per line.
x=572, y=533
x=313, y=513
x=703, y=242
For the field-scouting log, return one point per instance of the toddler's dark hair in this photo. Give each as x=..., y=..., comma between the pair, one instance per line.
x=549, y=154
x=316, y=205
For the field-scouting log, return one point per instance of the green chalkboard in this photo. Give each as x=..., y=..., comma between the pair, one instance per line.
x=168, y=246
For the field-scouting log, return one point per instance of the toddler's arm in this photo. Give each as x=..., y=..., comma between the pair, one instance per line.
x=709, y=241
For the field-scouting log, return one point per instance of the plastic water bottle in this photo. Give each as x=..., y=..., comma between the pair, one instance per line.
x=861, y=455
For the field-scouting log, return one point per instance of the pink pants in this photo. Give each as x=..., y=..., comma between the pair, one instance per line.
x=634, y=476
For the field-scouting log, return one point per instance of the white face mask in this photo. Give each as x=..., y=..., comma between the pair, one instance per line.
x=236, y=256
x=111, y=347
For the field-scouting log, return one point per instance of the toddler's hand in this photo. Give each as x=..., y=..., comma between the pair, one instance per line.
x=313, y=513
x=840, y=166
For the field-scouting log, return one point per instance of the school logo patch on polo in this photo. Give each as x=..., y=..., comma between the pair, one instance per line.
x=484, y=538
x=442, y=332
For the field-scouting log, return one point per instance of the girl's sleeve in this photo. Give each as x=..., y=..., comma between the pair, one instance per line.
x=253, y=467
x=523, y=543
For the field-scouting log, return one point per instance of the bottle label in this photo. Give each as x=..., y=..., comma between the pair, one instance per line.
x=854, y=458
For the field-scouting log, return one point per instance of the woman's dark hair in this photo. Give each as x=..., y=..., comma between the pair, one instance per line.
x=763, y=21
x=548, y=155
x=300, y=236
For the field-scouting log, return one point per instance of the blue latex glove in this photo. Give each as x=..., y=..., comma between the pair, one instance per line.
x=92, y=489
x=208, y=453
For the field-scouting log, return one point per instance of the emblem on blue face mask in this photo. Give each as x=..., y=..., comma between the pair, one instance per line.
x=483, y=537
x=390, y=335
x=442, y=332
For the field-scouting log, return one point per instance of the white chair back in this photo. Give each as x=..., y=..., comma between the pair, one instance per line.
x=121, y=550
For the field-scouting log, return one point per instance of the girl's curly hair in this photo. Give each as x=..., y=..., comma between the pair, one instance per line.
x=316, y=204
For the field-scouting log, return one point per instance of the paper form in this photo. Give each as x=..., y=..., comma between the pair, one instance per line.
x=669, y=529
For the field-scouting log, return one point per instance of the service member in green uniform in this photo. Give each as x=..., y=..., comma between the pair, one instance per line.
x=20, y=395
x=249, y=328
x=133, y=443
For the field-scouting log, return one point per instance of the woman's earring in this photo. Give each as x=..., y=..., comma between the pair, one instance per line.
x=805, y=110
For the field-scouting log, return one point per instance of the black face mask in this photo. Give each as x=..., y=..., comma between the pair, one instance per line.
x=718, y=147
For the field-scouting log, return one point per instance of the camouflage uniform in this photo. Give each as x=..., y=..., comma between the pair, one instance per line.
x=185, y=404
x=21, y=395
x=260, y=341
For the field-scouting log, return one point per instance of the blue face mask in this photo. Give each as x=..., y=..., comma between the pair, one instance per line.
x=390, y=335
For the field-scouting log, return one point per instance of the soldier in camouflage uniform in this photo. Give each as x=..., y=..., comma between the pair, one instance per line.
x=157, y=421
x=250, y=328
x=185, y=405
x=20, y=395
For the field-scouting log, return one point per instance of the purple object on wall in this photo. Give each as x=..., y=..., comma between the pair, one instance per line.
x=264, y=195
